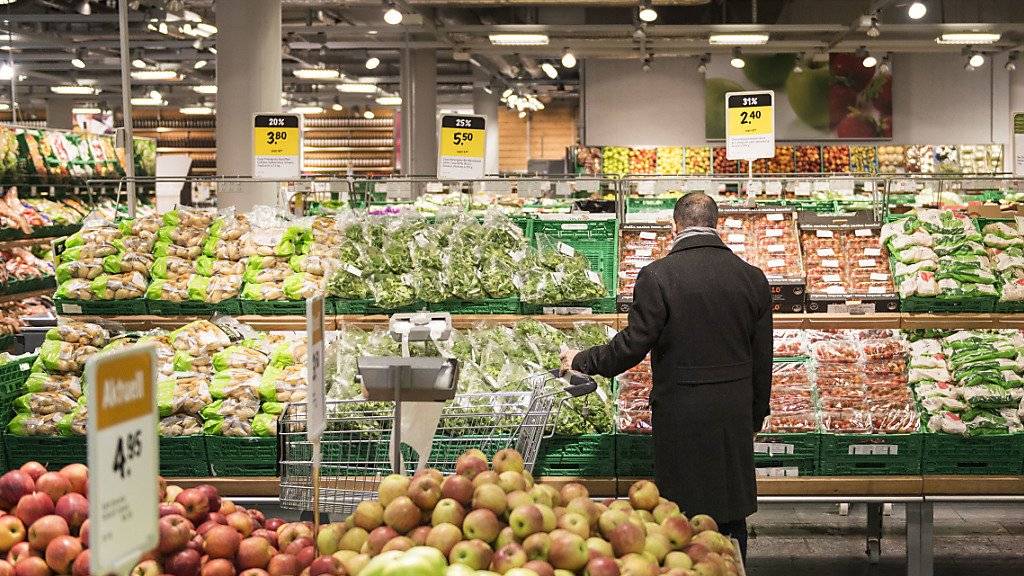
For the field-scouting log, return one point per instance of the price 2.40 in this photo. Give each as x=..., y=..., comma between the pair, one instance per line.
x=746, y=117
x=459, y=138
x=275, y=136
x=129, y=447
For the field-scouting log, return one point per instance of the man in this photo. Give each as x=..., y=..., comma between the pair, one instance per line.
x=705, y=317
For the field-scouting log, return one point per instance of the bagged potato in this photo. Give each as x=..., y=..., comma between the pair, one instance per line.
x=175, y=290
x=64, y=358
x=262, y=292
x=118, y=343
x=326, y=230
x=199, y=337
x=84, y=269
x=75, y=289
x=286, y=384
x=273, y=408
x=230, y=226
x=42, y=403
x=162, y=248
x=164, y=351
x=75, y=422
x=142, y=226
x=167, y=267
x=183, y=236
x=180, y=425
x=32, y=425
x=236, y=383
x=264, y=425
x=213, y=290
x=240, y=356
x=288, y=353
x=92, y=235
x=229, y=249
x=77, y=332
x=238, y=407
x=207, y=266
x=228, y=426
x=119, y=286
x=263, y=270
x=318, y=265
x=273, y=241
x=143, y=244
x=128, y=262
x=185, y=362
x=303, y=286
x=88, y=252
x=67, y=384
x=182, y=395
x=189, y=217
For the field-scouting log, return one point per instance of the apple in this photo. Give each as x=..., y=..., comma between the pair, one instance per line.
x=714, y=541
x=196, y=504
x=328, y=537
x=644, y=495
x=253, y=552
x=168, y=508
x=402, y=514
x=353, y=539
x=481, y=524
x=172, y=492
x=355, y=563
x=268, y=535
x=657, y=545
x=610, y=520
x=638, y=565
x=80, y=567
x=621, y=506
x=508, y=460
x=419, y=561
x=540, y=496
x=664, y=509
x=506, y=536
x=678, y=530
x=568, y=552
x=325, y=565
x=575, y=523
x=806, y=93
x=517, y=498
x=299, y=544
x=696, y=552
x=376, y=540
x=222, y=542
x=601, y=566
x=540, y=568
x=572, y=490
x=61, y=553
x=83, y=533
x=13, y=485
x=145, y=567
x=219, y=567
x=401, y=544
x=703, y=522
x=12, y=531
x=6, y=568
x=512, y=482
x=42, y=531
x=508, y=557
x=419, y=534
x=283, y=565
x=425, y=492
x=626, y=538
x=448, y=511
x=206, y=527
x=485, y=477
x=53, y=485
x=241, y=522
x=527, y=520
x=32, y=566
x=368, y=515
x=471, y=464
x=78, y=475
x=491, y=497
x=257, y=516
x=305, y=556
x=459, y=570
x=432, y=473
x=258, y=572
x=175, y=532
x=473, y=553
x=185, y=562
x=212, y=496
x=392, y=487
x=537, y=546
x=550, y=520
x=19, y=551
x=269, y=523
x=585, y=507
x=32, y=507
x=444, y=537
x=458, y=488
x=74, y=509
x=33, y=469
x=677, y=559
x=288, y=533
x=710, y=566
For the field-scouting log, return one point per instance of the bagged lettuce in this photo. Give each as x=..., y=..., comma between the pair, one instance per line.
x=348, y=282
x=391, y=292
x=430, y=285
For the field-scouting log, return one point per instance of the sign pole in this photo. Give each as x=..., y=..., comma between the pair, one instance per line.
x=316, y=404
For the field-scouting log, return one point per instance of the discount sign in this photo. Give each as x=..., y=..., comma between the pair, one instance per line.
x=123, y=460
x=461, y=147
x=277, y=146
x=749, y=125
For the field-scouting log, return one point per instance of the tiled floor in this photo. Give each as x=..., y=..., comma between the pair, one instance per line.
x=814, y=540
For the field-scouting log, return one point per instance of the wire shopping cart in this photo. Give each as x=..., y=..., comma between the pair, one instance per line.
x=356, y=444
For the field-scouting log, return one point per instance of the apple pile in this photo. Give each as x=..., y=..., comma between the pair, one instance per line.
x=485, y=520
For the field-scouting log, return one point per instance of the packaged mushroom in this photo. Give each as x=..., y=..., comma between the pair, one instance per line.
x=33, y=425
x=77, y=332
x=63, y=357
x=182, y=395
x=42, y=403
x=83, y=269
x=67, y=384
x=180, y=425
x=174, y=290
x=214, y=289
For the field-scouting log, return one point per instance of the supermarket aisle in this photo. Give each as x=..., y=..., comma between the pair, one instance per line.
x=981, y=540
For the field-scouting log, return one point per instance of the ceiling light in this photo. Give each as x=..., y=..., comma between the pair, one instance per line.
x=508, y=92
x=737, y=59
x=78, y=62
x=306, y=109
x=6, y=71
x=315, y=73
x=196, y=110
x=977, y=60
x=885, y=67
x=337, y=107
x=205, y=89
x=155, y=75
x=208, y=28
x=917, y=10
x=873, y=31
x=738, y=39
x=86, y=110
x=369, y=115
x=519, y=39
x=969, y=38
x=702, y=65
x=84, y=8
x=487, y=89
x=147, y=101
x=73, y=89
x=4, y=106
x=522, y=113
x=372, y=62
x=162, y=28
x=200, y=64
x=389, y=100
x=392, y=15
x=357, y=88
x=155, y=94
x=139, y=63
x=549, y=70
x=869, y=61
x=213, y=50
x=1011, y=61
x=568, y=58
x=647, y=13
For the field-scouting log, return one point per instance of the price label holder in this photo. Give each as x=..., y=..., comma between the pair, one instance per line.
x=316, y=403
x=123, y=458
x=461, y=147
x=666, y=185
x=277, y=146
x=645, y=188
x=749, y=125
x=529, y=188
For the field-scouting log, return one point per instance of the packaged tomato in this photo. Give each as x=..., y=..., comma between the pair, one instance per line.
x=835, y=351
x=846, y=421
x=791, y=423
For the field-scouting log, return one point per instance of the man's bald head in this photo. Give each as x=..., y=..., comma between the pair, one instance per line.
x=695, y=209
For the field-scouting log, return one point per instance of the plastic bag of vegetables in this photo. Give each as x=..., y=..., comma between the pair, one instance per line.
x=183, y=395
x=75, y=422
x=88, y=252
x=230, y=226
x=347, y=282
x=461, y=277
x=128, y=262
x=213, y=290
x=430, y=285
x=64, y=358
x=235, y=250
x=239, y=356
x=119, y=286
x=264, y=425
x=199, y=337
x=67, y=384
x=303, y=286
x=84, y=269
x=78, y=332
x=180, y=425
x=167, y=267
x=287, y=384
x=187, y=216
x=236, y=383
x=175, y=290
x=206, y=266
x=143, y=244
x=244, y=408
x=42, y=403
x=317, y=265
x=32, y=425
x=261, y=270
x=163, y=248
x=496, y=277
x=92, y=235
x=227, y=426
x=183, y=236
x=288, y=353
x=262, y=292
x=142, y=226
x=391, y=291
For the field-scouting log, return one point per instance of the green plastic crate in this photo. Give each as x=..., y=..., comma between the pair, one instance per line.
x=1010, y=306
x=12, y=380
x=589, y=455
x=230, y=307
x=29, y=285
x=183, y=456
x=343, y=306
x=635, y=205
x=488, y=306
x=634, y=455
x=785, y=466
x=134, y=307
x=596, y=239
x=599, y=306
x=54, y=452
x=870, y=454
x=953, y=454
x=799, y=445
x=273, y=307
x=930, y=304
x=230, y=456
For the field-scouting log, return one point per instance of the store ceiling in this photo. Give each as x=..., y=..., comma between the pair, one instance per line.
x=342, y=34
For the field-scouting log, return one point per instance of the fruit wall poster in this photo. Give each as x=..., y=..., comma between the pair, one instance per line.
x=817, y=100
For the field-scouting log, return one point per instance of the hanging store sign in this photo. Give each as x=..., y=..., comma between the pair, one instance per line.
x=461, y=147
x=749, y=125
x=123, y=458
x=277, y=146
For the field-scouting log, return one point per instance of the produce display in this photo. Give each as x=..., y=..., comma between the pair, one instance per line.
x=723, y=165
x=890, y=159
x=638, y=247
x=969, y=382
x=698, y=160
x=12, y=313
x=845, y=261
x=633, y=402
x=25, y=215
x=836, y=158
x=862, y=159
x=615, y=160
x=19, y=264
x=768, y=240
x=808, y=159
x=669, y=161
x=642, y=161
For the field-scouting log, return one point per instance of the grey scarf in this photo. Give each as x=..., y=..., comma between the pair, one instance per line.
x=694, y=231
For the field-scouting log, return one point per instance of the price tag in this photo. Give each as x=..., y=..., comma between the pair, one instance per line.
x=566, y=249
x=824, y=234
x=123, y=457
x=863, y=232
x=462, y=142
x=773, y=188
x=878, y=277
x=736, y=238
x=277, y=146
x=830, y=263
x=803, y=188
x=872, y=251
x=733, y=223
x=775, y=248
x=775, y=217
x=826, y=252
x=831, y=278
x=867, y=263
x=648, y=236
x=774, y=233
x=874, y=450
x=821, y=186
x=316, y=404
x=749, y=125
x=645, y=188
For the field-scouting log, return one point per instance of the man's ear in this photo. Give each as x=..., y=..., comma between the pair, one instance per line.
x=675, y=229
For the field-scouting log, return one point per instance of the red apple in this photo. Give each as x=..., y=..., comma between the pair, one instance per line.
x=32, y=566
x=222, y=542
x=256, y=572
x=19, y=551
x=175, y=533
x=458, y=488
x=73, y=508
x=33, y=469
x=183, y=563
x=305, y=556
x=273, y=523
x=378, y=538
x=78, y=475
x=241, y=522
x=269, y=535
x=80, y=567
x=419, y=535
x=205, y=527
x=212, y=496
x=196, y=504
x=42, y=531
x=283, y=565
x=325, y=565
x=217, y=517
x=168, y=508
x=218, y=567
x=298, y=544
x=32, y=507
x=6, y=568
x=83, y=533
x=145, y=567
x=256, y=515
x=254, y=553
x=12, y=531
x=227, y=506
x=61, y=553
x=14, y=485
x=196, y=543
x=53, y=485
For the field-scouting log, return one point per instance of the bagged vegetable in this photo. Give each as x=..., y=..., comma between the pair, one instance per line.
x=430, y=285
x=240, y=357
x=163, y=248
x=140, y=244
x=262, y=292
x=264, y=425
x=288, y=353
x=213, y=290
x=119, y=286
x=206, y=266
x=234, y=250
x=180, y=425
x=182, y=395
x=62, y=357
x=92, y=236
x=303, y=286
x=175, y=290
x=167, y=267
x=228, y=426
x=230, y=227
x=279, y=241
x=199, y=337
x=128, y=262
x=347, y=282
x=143, y=226
x=496, y=277
x=42, y=403
x=67, y=384
x=32, y=425
x=88, y=252
x=317, y=265
x=391, y=292
x=184, y=236
x=77, y=332
x=84, y=269
x=236, y=383
x=189, y=217
x=74, y=423
x=244, y=408
x=286, y=384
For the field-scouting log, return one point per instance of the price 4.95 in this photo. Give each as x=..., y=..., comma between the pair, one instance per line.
x=459, y=138
x=129, y=447
x=274, y=136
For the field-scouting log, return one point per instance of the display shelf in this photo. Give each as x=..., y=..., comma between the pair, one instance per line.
x=258, y=322
x=973, y=485
x=24, y=295
x=910, y=321
x=23, y=242
x=470, y=320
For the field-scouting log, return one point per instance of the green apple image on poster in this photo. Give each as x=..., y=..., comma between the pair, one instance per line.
x=838, y=99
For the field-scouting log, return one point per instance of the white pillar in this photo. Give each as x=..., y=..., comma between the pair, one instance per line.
x=486, y=105
x=419, y=112
x=58, y=113
x=248, y=82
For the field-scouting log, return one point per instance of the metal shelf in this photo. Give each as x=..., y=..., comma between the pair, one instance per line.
x=24, y=295
x=22, y=242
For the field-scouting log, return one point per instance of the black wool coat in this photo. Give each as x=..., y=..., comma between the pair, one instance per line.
x=705, y=317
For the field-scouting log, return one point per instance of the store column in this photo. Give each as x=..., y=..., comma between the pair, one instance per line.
x=59, y=113
x=248, y=83
x=486, y=104
x=419, y=112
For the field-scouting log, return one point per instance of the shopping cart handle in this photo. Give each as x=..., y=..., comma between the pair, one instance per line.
x=580, y=384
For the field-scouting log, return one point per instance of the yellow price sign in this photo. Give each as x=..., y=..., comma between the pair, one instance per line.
x=276, y=135
x=750, y=115
x=462, y=136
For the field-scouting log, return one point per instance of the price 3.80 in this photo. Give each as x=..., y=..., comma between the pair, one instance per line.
x=275, y=136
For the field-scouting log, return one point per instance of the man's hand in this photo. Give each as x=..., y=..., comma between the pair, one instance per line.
x=567, y=355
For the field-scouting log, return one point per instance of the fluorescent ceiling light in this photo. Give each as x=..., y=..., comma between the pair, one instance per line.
x=315, y=73
x=306, y=110
x=372, y=62
x=647, y=12
x=147, y=101
x=155, y=94
x=78, y=62
x=549, y=70
x=519, y=39
x=205, y=89
x=139, y=63
x=738, y=39
x=977, y=60
x=209, y=28
x=389, y=100
x=393, y=16
x=6, y=71
x=357, y=88
x=917, y=10
x=86, y=110
x=5, y=106
x=968, y=38
x=73, y=89
x=196, y=110
x=155, y=75
x=200, y=64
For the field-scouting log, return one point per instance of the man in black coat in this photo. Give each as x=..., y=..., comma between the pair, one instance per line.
x=705, y=317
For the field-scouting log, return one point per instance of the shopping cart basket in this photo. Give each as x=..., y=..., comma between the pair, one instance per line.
x=356, y=444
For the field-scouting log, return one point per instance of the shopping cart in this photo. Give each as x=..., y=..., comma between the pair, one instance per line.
x=356, y=444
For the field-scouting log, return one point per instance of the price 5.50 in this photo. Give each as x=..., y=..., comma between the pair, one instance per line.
x=461, y=137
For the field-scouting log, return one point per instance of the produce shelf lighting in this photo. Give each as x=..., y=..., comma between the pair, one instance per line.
x=372, y=62
x=200, y=64
x=519, y=39
x=976, y=60
x=308, y=109
x=155, y=75
x=196, y=110
x=969, y=38
x=917, y=10
x=389, y=100
x=738, y=39
x=78, y=61
x=392, y=15
x=737, y=59
x=86, y=110
x=315, y=73
x=357, y=88
x=369, y=115
x=147, y=101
